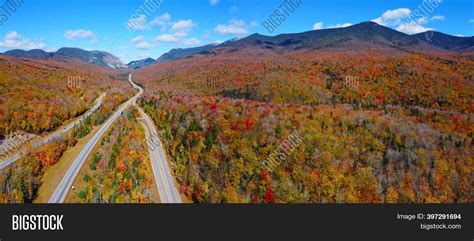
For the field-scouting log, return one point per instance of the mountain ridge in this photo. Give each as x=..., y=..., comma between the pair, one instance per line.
x=367, y=34
x=136, y=64
x=363, y=35
x=446, y=41
x=179, y=53
x=359, y=36
x=100, y=58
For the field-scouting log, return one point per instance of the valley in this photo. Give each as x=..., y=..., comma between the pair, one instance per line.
x=384, y=117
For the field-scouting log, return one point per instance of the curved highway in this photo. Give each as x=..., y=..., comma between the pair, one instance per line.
x=164, y=179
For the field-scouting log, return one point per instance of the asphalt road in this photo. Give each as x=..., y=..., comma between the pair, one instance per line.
x=64, y=186
x=164, y=180
x=56, y=135
x=161, y=171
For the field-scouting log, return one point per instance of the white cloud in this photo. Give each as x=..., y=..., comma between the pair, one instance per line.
x=393, y=17
x=184, y=26
x=178, y=31
x=471, y=21
x=412, y=28
x=180, y=34
x=217, y=42
x=137, y=39
x=80, y=34
x=318, y=25
x=213, y=2
x=138, y=23
x=192, y=41
x=144, y=45
x=404, y=20
x=168, y=38
x=422, y=20
x=181, y=27
x=14, y=40
x=163, y=21
x=340, y=25
x=459, y=35
x=438, y=18
x=236, y=27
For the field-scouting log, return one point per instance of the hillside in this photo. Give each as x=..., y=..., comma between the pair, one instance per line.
x=447, y=42
x=39, y=95
x=99, y=58
x=362, y=114
x=34, y=54
x=365, y=35
x=140, y=63
x=175, y=54
x=383, y=117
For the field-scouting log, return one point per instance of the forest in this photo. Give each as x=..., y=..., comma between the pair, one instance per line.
x=375, y=127
x=119, y=170
x=378, y=127
x=45, y=94
x=440, y=81
x=20, y=182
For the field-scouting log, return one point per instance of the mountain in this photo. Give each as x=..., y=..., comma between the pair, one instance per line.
x=358, y=36
x=140, y=63
x=99, y=58
x=362, y=35
x=34, y=54
x=175, y=54
x=181, y=53
x=445, y=41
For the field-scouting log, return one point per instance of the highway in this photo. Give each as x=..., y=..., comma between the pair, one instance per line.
x=164, y=180
x=162, y=172
x=63, y=187
x=53, y=136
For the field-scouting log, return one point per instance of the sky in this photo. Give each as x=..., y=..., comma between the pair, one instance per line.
x=167, y=24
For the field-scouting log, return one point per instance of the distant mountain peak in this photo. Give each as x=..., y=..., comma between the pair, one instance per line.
x=180, y=53
x=34, y=53
x=446, y=41
x=140, y=63
x=367, y=23
x=100, y=58
x=367, y=34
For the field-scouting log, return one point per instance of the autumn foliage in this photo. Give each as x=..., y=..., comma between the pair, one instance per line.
x=403, y=133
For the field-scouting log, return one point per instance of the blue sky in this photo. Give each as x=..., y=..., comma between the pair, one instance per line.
x=99, y=25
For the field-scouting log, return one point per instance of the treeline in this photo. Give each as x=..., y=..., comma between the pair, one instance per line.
x=367, y=79
x=20, y=182
x=119, y=171
x=217, y=146
x=38, y=96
